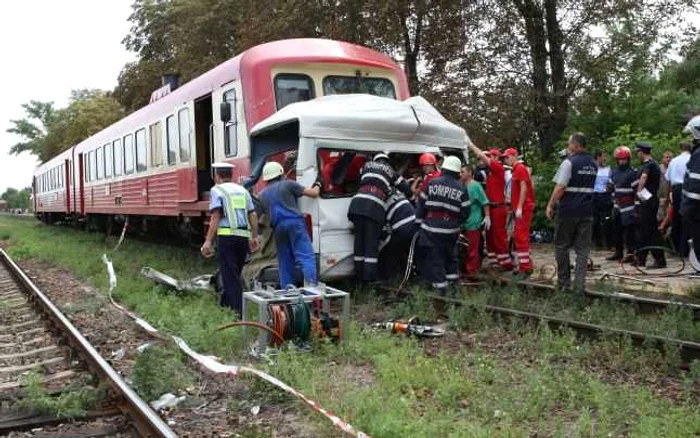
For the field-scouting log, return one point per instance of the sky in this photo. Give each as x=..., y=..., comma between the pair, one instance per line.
x=49, y=48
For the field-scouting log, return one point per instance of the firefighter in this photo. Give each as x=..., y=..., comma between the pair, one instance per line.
x=235, y=225
x=647, y=192
x=428, y=163
x=442, y=207
x=690, y=205
x=400, y=229
x=573, y=197
x=279, y=202
x=523, y=206
x=497, y=236
x=624, y=180
x=368, y=213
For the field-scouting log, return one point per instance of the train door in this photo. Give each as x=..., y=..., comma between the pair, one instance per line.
x=204, y=143
x=68, y=186
x=229, y=133
x=81, y=184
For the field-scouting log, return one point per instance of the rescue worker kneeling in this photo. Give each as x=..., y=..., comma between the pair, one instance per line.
x=442, y=207
x=279, y=202
x=400, y=228
x=367, y=212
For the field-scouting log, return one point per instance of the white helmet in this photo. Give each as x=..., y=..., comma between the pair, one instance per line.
x=272, y=170
x=693, y=127
x=452, y=163
x=381, y=156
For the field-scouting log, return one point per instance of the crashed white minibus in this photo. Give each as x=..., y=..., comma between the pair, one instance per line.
x=329, y=138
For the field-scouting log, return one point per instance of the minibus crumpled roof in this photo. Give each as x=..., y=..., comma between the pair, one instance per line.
x=371, y=118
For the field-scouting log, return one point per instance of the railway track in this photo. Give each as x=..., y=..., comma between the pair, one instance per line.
x=36, y=336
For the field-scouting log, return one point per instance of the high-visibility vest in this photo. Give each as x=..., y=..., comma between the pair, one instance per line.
x=235, y=202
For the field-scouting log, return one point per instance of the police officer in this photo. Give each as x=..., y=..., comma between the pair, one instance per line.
x=442, y=207
x=624, y=181
x=368, y=213
x=573, y=196
x=400, y=229
x=690, y=206
x=235, y=224
x=279, y=202
x=647, y=192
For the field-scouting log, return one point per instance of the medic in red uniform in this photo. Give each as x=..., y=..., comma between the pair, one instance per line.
x=429, y=164
x=497, y=236
x=522, y=197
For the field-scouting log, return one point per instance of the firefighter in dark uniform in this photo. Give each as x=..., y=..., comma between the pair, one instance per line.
x=690, y=205
x=647, y=192
x=367, y=212
x=442, y=207
x=624, y=182
x=399, y=231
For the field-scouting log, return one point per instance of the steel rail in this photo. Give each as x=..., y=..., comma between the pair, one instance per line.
x=646, y=304
x=146, y=421
x=689, y=350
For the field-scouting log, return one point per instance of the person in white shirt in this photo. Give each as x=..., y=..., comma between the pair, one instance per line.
x=674, y=175
x=602, y=203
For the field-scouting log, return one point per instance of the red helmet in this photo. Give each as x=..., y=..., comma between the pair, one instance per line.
x=622, y=153
x=495, y=153
x=511, y=152
x=426, y=159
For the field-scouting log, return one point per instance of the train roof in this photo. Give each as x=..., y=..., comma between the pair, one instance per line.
x=252, y=63
x=53, y=162
x=370, y=118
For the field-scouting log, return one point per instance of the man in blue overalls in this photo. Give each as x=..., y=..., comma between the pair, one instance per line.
x=279, y=201
x=235, y=225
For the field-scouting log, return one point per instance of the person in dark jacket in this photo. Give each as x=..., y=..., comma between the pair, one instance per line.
x=368, y=213
x=690, y=205
x=647, y=193
x=573, y=198
x=398, y=233
x=442, y=207
x=623, y=181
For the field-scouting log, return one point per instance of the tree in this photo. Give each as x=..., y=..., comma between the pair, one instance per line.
x=17, y=199
x=47, y=131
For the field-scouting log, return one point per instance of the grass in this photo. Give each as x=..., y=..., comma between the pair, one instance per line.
x=508, y=379
x=159, y=370
x=70, y=403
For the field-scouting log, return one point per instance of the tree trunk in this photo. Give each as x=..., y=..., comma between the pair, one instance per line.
x=560, y=100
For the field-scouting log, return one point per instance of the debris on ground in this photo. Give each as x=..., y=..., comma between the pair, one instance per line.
x=411, y=327
x=166, y=401
x=199, y=283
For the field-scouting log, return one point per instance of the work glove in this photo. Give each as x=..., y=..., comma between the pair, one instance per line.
x=519, y=213
x=486, y=223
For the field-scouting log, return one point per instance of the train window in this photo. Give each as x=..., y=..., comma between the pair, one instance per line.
x=86, y=166
x=141, y=151
x=118, y=152
x=128, y=154
x=358, y=85
x=93, y=165
x=156, y=144
x=183, y=124
x=109, y=160
x=61, y=174
x=230, y=137
x=100, y=164
x=172, y=139
x=290, y=88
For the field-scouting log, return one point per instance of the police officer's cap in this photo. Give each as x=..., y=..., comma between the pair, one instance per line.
x=222, y=165
x=643, y=146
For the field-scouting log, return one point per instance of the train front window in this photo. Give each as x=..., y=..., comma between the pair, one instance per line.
x=291, y=88
x=358, y=85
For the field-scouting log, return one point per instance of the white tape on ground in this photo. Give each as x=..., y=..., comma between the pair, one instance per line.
x=211, y=364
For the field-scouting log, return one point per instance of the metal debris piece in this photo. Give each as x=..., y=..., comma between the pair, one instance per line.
x=410, y=327
x=167, y=400
x=119, y=354
x=143, y=347
x=625, y=277
x=199, y=283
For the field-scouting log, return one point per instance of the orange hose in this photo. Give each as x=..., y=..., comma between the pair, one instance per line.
x=251, y=324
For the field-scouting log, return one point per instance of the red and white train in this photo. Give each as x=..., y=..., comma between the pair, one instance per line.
x=155, y=164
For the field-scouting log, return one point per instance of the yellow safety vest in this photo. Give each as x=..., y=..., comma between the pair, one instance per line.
x=235, y=204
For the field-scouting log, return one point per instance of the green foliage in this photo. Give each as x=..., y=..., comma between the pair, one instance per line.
x=17, y=198
x=159, y=370
x=70, y=403
x=47, y=131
